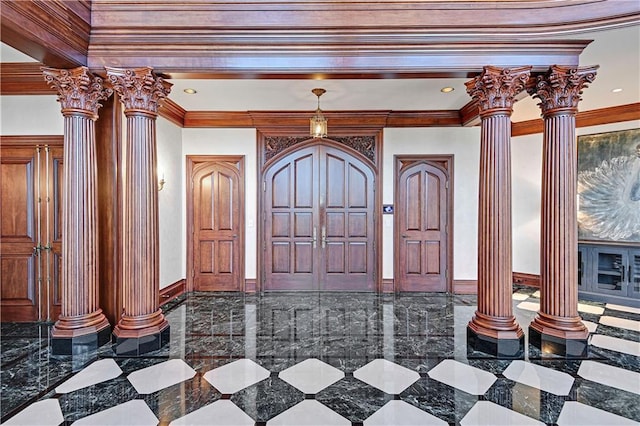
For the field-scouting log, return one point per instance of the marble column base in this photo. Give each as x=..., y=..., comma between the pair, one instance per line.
x=508, y=348
x=135, y=346
x=550, y=345
x=81, y=344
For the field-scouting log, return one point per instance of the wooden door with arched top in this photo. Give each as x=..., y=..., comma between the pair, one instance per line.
x=217, y=213
x=421, y=225
x=319, y=231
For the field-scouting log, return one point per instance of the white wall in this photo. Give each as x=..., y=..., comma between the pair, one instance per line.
x=227, y=142
x=464, y=144
x=526, y=187
x=526, y=180
x=30, y=115
x=170, y=199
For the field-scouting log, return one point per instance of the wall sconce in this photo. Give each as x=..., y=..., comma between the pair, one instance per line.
x=161, y=183
x=318, y=124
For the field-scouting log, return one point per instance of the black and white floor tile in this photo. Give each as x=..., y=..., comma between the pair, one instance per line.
x=327, y=359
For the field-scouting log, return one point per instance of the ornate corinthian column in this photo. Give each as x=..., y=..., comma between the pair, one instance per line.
x=494, y=329
x=82, y=325
x=142, y=327
x=557, y=328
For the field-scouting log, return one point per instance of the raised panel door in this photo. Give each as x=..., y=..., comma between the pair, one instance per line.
x=421, y=232
x=20, y=234
x=319, y=222
x=217, y=227
x=291, y=203
x=347, y=222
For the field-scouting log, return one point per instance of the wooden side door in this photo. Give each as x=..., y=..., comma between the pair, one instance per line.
x=347, y=222
x=421, y=227
x=218, y=225
x=54, y=232
x=20, y=234
x=291, y=222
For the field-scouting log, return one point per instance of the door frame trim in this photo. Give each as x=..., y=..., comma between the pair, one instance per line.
x=192, y=163
x=445, y=164
x=377, y=188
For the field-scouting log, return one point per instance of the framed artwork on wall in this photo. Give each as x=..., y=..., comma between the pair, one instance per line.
x=609, y=187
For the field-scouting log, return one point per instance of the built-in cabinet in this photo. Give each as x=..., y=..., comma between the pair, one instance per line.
x=609, y=273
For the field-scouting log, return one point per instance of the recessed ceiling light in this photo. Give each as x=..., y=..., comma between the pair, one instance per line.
x=447, y=89
x=616, y=90
x=190, y=91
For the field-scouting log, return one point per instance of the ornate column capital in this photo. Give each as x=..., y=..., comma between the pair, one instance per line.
x=79, y=91
x=495, y=88
x=560, y=88
x=139, y=88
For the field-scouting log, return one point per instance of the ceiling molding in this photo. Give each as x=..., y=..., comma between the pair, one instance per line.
x=56, y=33
x=300, y=120
x=615, y=114
x=172, y=112
x=283, y=55
x=23, y=78
x=470, y=114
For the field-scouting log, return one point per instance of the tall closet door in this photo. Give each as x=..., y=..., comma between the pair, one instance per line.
x=30, y=239
x=21, y=234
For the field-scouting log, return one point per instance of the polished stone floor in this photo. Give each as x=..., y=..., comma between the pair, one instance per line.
x=326, y=359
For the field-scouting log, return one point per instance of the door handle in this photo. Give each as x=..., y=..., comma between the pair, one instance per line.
x=324, y=236
x=315, y=236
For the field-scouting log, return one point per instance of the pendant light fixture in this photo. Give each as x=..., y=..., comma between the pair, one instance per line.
x=318, y=124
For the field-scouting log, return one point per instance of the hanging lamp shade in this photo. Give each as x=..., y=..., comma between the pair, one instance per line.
x=318, y=123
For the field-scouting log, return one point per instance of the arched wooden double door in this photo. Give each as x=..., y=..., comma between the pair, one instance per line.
x=319, y=230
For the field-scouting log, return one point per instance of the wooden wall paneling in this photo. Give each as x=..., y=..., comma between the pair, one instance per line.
x=109, y=154
x=172, y=291
x=531, y=280
x=465, y=286
x=56, y=33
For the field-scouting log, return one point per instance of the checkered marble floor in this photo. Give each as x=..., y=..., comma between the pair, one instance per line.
x=327, y=359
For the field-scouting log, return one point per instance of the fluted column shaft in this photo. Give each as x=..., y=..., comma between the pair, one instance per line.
x=558, y=320
x=79, y=93
x=493, y=329
x=494, y=221
x=140, y=91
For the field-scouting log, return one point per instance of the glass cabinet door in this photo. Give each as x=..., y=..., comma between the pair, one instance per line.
x=633, y=272
x=582, y=262
x=611, y=271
